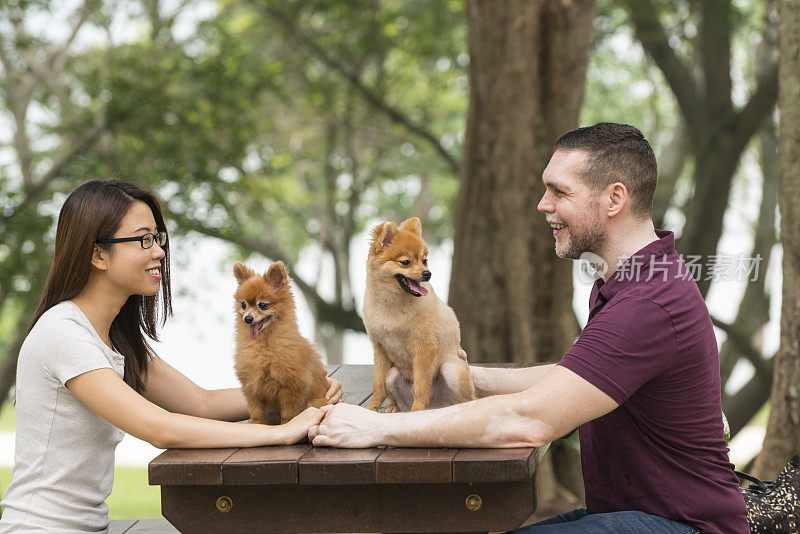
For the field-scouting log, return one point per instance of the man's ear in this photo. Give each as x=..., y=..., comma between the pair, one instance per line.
x=382, y=236
x=99, y=260
x=276, y=275
x=242, y=272
x=618, y=198
x=412, y=225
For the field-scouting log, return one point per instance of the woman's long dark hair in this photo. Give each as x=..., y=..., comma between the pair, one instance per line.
x=94, y=212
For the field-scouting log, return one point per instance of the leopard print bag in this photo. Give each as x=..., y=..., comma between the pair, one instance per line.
x=774, y=507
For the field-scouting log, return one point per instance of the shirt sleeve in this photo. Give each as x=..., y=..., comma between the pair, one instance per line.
x=72, y=351
x=625, y=345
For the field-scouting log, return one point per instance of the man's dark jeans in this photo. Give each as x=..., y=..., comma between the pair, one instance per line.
x=629, y=522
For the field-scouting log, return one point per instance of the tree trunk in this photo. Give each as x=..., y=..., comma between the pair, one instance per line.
x=528, y=64
x=783, y=428
x=512, y=294
x=715, y=166
x=718, y=132
x=740, y=408
x=753, y=311
x=671, y=163
x=331, y=340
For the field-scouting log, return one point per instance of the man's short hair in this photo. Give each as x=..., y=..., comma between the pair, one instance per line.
x=617, y=153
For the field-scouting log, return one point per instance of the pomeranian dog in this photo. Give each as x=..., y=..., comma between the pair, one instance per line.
x=279, y=369
x=409, y=326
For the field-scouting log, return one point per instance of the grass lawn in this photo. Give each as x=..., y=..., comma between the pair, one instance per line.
x=131, y=498
x=760, y=418
x=7, y=417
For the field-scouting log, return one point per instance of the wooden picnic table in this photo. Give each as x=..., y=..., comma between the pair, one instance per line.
x=301, y=488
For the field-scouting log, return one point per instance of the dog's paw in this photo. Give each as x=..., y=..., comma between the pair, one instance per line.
x=392, y=408
x=374, y=406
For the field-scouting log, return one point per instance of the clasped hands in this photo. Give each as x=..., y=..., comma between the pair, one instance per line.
x=351, y=426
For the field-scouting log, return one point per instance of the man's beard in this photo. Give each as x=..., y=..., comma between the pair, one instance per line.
x=589, y=238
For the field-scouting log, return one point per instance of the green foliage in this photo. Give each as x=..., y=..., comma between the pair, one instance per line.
x=5, y=479
x=245, y=129
x=292, y=123
x=624, y=84
x=289, y=123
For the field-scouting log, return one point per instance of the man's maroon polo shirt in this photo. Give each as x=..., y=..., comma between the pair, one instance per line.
x=649, y=345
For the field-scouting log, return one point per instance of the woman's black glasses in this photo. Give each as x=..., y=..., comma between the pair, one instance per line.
x=145, y=240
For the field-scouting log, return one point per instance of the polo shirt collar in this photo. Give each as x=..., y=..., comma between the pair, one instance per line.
x=603, y=291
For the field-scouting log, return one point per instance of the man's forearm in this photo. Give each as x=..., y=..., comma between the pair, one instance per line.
x=491, y=422
x=556, y=404
x=501, y=380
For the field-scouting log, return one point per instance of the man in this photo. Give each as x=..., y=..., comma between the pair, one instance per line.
x=641, y=382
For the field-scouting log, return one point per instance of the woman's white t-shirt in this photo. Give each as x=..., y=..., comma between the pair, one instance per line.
x=64, y=458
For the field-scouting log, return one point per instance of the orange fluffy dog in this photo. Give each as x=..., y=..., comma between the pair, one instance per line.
x=409, y=326
x=279, y=368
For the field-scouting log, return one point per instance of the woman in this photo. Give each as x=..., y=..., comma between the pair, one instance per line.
x=86, y=374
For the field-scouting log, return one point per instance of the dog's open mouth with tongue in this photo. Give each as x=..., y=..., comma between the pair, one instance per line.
x=411, y=286
x=255, y=328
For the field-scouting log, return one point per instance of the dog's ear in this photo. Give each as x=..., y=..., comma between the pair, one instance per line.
x=242, y=272
x=276, y=275
x=412, y=225
x=382, y=236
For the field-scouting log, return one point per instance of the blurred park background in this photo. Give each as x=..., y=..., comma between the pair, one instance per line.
x=284, y=130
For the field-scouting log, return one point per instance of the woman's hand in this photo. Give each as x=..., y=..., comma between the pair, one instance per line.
x=335, y=391
x=298, y=427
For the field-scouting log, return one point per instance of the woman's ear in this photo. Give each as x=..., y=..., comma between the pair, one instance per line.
x=99, y=258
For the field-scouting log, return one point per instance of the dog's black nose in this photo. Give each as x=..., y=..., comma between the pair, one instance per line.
x=426, y=275
x=248, y=319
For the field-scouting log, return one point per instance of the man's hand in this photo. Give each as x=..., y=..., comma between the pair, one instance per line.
x=348, y=426
x=335, y=390
x=402, y=389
